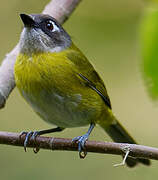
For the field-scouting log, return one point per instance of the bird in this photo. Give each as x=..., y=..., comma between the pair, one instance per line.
x=61, y=85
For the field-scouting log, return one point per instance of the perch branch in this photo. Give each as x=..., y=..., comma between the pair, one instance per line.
x=59, y=9
x=52, y=143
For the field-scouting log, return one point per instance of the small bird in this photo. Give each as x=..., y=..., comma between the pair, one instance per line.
x=61, y=85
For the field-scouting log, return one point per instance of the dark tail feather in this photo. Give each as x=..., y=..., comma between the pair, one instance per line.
x=120, y=135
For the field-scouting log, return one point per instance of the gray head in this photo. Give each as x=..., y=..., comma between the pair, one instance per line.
x=42, y=33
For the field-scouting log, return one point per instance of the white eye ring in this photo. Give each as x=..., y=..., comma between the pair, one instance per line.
x=54, y=26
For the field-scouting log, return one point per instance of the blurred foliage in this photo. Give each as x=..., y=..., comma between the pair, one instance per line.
x=149, y=37
x=107, y=32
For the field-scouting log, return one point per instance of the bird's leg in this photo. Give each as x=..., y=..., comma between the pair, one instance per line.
x=32, y=135
x=82, y=140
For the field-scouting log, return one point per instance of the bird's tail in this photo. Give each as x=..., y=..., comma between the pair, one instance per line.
x=120, y=135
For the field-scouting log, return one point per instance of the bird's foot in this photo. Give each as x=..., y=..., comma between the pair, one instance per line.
x=30, y=136
x=81, y=144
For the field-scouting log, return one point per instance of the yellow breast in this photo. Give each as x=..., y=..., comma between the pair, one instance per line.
x=49, y=83
x=40, y=70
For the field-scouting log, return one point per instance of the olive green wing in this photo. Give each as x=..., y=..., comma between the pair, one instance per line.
x=87, y=72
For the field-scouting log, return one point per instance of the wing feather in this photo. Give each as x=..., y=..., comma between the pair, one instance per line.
x=87, y=72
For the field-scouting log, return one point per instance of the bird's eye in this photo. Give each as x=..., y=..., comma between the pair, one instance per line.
x=49, y=25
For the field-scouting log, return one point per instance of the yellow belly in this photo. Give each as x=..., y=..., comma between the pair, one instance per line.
x=50, y=85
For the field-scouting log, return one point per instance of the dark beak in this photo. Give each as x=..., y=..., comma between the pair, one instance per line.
x=27, y=20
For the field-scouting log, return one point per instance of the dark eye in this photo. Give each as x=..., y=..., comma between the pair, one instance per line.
x=49, y=25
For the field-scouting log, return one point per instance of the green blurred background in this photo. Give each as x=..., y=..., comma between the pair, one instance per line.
x=107, y=31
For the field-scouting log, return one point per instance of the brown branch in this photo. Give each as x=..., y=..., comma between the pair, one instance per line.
x=52, y=143
x=59, y=9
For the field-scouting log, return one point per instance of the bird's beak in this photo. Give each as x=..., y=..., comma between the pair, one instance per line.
x=27, y=20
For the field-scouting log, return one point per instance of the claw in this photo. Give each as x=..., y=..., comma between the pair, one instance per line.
x=76, y=138
x=22, y=133
x=81, y=144
x=28, y=135
x=34, y=135
x=35, y=150
x=82, y=154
